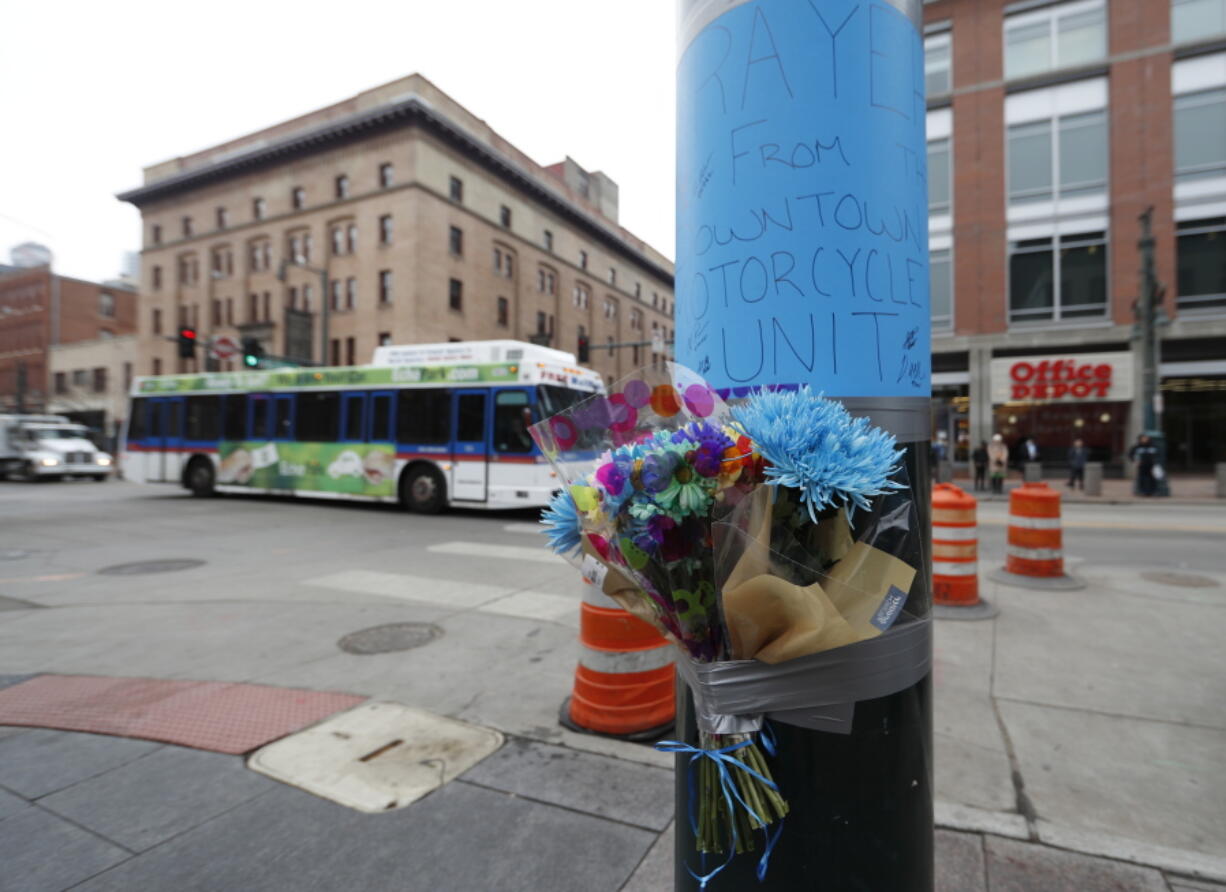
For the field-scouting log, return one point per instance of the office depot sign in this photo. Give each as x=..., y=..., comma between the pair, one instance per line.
x=1079, y=378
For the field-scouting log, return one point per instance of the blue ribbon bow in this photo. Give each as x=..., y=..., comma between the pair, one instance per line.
x=730, y=791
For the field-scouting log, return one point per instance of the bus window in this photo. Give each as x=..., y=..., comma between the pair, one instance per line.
x=470, y=418
x=138, y=423
x=318, y=417
x=259, y=417
x=511, y=420
x=552, y=399
x=283, y=417
x=424, y=417
x=203, y=418
x=380, y=416
x=355, y=404
x=234, y=419
x=174, y=419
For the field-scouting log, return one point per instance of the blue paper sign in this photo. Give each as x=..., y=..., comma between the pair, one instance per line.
x=802, y=201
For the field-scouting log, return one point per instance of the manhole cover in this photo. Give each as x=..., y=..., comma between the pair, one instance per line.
x=140, y=567
x=1184, y=580
x=389, y=638
x=13, y=554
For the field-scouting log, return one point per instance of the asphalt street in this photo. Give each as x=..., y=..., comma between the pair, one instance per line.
x=1106, y=707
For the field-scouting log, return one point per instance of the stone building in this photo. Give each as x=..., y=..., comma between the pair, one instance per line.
x=396, y=216
x=40, y=309
x=1051, y=127
x=90, y=382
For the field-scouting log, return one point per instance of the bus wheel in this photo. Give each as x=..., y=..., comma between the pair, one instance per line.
x=200, y=477
x=423, y=490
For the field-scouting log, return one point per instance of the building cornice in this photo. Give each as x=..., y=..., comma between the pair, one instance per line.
x=411, y=112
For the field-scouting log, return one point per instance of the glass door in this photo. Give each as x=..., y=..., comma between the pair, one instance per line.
x=470, y=468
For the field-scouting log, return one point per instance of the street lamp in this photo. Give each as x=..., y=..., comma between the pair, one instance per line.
x=323, y=300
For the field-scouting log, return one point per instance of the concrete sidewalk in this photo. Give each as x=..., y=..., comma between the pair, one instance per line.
x=1185, y=490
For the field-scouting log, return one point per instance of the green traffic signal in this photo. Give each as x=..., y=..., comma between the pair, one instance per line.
x=250, y=360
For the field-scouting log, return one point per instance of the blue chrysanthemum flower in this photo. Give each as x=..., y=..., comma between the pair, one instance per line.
x=813, y=445
x=561, y=522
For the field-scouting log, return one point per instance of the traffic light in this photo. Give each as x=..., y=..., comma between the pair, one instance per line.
x=585, y=351
x=253, y=352
x=187, y=343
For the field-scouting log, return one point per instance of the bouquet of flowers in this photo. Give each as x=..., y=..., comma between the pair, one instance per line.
x=730, y=528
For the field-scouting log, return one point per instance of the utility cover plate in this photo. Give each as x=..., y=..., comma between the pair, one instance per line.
x=377, y=756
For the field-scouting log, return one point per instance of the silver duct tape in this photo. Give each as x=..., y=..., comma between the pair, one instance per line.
x=694, y=15
x=908, y=418
x=818, y=691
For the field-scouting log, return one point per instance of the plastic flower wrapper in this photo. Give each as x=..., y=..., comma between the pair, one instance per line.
x=652, y=472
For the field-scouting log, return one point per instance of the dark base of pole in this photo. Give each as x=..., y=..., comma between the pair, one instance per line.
x=861, y=803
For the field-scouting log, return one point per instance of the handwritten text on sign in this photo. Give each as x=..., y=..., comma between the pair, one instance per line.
x=802, y=224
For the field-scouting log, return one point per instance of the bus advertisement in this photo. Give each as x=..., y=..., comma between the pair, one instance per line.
x=425, y=425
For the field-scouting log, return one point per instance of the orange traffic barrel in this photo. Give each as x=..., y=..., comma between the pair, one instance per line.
x=625, y=683
x=1035, y=544
x=955, y=547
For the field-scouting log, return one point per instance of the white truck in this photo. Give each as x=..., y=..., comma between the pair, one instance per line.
x=49, y=447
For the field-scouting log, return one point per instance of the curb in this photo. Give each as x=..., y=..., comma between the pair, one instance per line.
x=966, y=818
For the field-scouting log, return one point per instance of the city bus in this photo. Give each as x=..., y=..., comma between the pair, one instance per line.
x=425, y=425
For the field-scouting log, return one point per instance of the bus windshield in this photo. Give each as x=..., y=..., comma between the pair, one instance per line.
x=551, y=399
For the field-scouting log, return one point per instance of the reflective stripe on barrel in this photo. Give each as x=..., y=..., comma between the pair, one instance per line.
x=1035, y=539
x=955, y=547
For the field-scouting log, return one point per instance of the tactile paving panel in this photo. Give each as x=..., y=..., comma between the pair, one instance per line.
x=206, y=715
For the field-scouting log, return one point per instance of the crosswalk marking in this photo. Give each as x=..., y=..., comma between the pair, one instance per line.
x=534, y=529
x=540, y=555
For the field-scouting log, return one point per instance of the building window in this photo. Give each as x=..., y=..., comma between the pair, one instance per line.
x=189, y=269
x=297, y=198
x=334, y=298
x=1200, y=135
x=187, y=227
x=546, y=281
x=638, y=289
x=387, y=175
x=455, y=241
x=610, y=308
x=504, y=217
x=157, y=366
x=455, y=295
x=540, y=322
x=636, y=320
x=1200, y=251
x=306, y=247
x=504, y=262
x=385, y=338
x=1197, y=19
x=253, y=308
x=385, y=229
x=156, y=234
x=342, y=186
x=306, y=297
x=229, y=311
x=940, y=287
x=100, y=380
x=938, y=176
x=127, y=376
x=350, y=351
x=612, y=275
x=938, y=80
x=351, y=293
x=548, y=241
x=260, y=253
x=351, y=238
x=338, y=240
x=583, y=260
x=504, y=312
x=258, y=208
x=106, y=304
x=385, y=286
x=1058, y=277
x=61, y=383
x=581, y=296
x=334, y=351
x=655, y=299
x=223, y=218
x=1059, y=36
x=157, y=278
x=456, y=189
x=1058, y=158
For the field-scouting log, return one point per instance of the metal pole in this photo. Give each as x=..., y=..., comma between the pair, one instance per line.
x=324, y=298
x=802, y=258
x=1147, y=313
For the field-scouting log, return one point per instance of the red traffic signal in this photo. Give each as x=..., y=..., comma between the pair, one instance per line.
x=585, y=349
x=187, y=343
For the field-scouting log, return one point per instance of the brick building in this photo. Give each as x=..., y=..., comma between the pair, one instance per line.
x=417, y=220
x=1052, y=126
x=40, y=309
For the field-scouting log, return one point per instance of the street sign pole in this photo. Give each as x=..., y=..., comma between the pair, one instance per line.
x=802, y=258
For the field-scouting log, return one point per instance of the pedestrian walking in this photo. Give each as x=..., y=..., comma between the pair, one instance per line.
x=1077, y=455
x=980, y=459
x=1145, y=454
x=998, y=462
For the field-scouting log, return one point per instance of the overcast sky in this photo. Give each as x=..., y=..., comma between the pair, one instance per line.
x=92, y=92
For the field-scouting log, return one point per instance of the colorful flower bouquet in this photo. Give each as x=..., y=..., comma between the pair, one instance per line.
x=752, y=535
